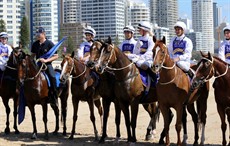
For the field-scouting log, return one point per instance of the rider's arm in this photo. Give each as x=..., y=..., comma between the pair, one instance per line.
x=221, y=52
x=148, y=55
x=188, y=51
x=80, y=52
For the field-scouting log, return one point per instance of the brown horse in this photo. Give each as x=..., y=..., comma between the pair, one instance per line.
x=82, y=88
x=36, y=91
x=175, y=82
x=8, y=90
x=211, y=66
x=128, y=85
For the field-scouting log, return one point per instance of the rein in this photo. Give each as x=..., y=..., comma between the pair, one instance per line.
x=75, y=77
x=41, y=68
x=166, y=83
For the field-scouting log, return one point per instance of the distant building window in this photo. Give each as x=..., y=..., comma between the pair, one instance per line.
x=8, y=16
x=9, y=22
x=9, y=11
x=9, y=6
x=9, y=1
x=9, y=27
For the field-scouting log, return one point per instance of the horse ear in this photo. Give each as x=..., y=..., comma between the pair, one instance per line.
x=72, y=54
x=63, y=55
x=154, y=39
x=209, y=55
x=163, y=40
x=109, y=40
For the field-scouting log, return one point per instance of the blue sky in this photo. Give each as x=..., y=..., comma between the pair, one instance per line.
x=185, y=8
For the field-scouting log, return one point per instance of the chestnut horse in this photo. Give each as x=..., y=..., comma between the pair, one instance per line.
x=211, y=66
x=8, y=90
x=82, y=88
x=175, y=82
x=36, y=91
x=128, y=86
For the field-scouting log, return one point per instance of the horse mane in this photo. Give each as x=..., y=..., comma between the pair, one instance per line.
x=220, y=60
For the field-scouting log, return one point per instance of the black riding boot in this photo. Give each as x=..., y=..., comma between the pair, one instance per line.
x=54, y=96
x=152, y=74
x=190, y=73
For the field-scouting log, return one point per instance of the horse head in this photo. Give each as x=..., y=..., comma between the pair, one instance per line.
x=26, y=66
x=205, y=69
x=160, y=52
x=67, y=66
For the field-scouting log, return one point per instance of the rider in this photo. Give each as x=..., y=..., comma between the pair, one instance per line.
x=5, y=50
x=84, y=51
x=224, y=50
x=129, y=44
x=180, y=49
x=39, y=48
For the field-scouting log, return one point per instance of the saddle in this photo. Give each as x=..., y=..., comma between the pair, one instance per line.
x=57, y=75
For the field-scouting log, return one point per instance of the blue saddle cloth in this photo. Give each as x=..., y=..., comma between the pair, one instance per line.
x=57, y=75
x=144, y=78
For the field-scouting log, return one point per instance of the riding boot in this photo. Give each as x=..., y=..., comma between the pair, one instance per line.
x=54, y=97
x=190, y=73
x=153, y=75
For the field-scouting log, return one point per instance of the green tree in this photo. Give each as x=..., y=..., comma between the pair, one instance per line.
x=70, y=45
x=2, y=26
x=117, y=41
x=24, y=31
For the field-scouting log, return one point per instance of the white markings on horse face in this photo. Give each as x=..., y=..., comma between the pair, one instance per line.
x=157, y=50
x=63, y=69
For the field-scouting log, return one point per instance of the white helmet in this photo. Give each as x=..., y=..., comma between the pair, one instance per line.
x=226, y=28
x=145, y=26
x=90, y=30
x=129, y=28
x=3, y=35
x=181, y=25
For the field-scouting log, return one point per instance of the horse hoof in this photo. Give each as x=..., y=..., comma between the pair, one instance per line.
x=71, y=137
x=132, y=144
x=34, y=136
x=148, y=137
x=195, y=144
x=64, y=133
x=55, y=133
x=117, y=140
x=46, y=137
x=7, y=130
x=161, y=141
x=101, y=141
x=16, y=132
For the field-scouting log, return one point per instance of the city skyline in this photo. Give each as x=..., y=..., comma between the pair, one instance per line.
x=185, y=8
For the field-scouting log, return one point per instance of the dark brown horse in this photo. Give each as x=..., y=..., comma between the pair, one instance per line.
x=128, y=85
x=8, y=90
x=36, y=91
x=175, y=82
x=211, y=66
x=82, y=88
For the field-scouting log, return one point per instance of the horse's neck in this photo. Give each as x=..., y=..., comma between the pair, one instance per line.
x=78, y=68
x=220, y=68
x=33, y=69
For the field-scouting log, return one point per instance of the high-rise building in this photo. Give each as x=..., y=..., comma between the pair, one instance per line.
x=202, y=21
x=161, y=32
x=71, y=9
x=45, y=13
x=188, y=23
x=164, y=13
x=107, y=17
x=10, y=12
x=217, y=15
x=137, y=12
x=196, y=38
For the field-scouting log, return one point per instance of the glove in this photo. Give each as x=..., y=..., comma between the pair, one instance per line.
x=139, y=44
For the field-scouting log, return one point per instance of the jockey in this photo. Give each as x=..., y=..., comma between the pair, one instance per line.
x=39, y=48
x=84, y=51
x=224, y=50
x=5, y=50
x=129, y=44
x=180, y=49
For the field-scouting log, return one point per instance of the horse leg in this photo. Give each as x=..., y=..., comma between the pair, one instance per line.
x=163, y=133
x=184, y=121
x=5, y=102
x=100, y=111
x=125, y=110
x=75, y=110
x=134, y=113
x=221, y=112
x=64, y=112
x=34, y=135
x=179, y=112
x=15, y=115
x=106, y=106
x=44, y=108
x=149, y=134
x=92, y=117
x=117, y=120
x=192, y=111
x=228, y=116
x=56, y=112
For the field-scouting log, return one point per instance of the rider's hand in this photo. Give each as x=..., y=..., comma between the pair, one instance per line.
x=43, y=60
x=4, y=54
x=176, y=59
